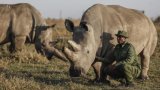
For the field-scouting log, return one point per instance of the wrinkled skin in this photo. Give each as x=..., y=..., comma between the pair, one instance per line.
x=95, y=36
x=20, y=23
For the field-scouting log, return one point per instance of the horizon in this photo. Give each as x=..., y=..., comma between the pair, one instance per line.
x=75, y=8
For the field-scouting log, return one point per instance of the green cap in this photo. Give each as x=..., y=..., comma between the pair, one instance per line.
x=122, y=33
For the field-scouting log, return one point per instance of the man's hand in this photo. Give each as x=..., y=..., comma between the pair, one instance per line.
x=99, y=59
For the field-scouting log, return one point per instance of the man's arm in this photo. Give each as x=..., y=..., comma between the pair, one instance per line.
x=104, y=60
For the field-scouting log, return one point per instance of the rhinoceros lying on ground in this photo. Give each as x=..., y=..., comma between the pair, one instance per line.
x=22, y=21
x=95, y=36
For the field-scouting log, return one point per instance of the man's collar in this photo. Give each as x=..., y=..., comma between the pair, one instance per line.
x=122, y=45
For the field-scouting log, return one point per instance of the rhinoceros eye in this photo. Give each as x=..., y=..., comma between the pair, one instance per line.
x=88, y=51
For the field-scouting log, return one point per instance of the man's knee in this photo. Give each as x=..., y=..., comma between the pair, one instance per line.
x=125, y=67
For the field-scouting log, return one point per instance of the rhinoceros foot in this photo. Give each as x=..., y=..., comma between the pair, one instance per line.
x=144, y=77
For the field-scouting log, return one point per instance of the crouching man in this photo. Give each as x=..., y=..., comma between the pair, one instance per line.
x=126, y=66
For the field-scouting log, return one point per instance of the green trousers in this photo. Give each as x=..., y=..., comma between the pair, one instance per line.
x=123, y=71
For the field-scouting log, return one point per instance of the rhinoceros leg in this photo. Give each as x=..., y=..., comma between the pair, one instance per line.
x=17, y=43
x=98, y=69
x=145, y=59
x=12, y=47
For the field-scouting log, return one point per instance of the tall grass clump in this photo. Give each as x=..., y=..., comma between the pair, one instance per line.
x=27, y=55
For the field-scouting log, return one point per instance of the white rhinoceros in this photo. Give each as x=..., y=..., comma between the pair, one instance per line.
x=20, y=23
x=95, y=36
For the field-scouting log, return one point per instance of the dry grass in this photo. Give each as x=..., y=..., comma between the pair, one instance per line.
x=60, y=31
x=27, y=70
x=24, y=56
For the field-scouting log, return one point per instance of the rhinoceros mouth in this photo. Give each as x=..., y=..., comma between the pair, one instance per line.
x=75, y=73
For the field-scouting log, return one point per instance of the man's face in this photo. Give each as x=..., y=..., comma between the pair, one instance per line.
x=121, y=39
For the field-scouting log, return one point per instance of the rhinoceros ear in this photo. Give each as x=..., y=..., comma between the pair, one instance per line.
x=84, y=25
x=69, y=25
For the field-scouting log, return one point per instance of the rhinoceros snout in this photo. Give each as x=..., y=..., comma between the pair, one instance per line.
x=74, y=73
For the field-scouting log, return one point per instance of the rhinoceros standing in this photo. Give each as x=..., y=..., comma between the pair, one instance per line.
x=95, y=36
x=22, y=21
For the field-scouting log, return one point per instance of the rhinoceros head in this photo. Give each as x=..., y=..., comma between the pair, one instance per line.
x=44, y=43
x=43, y=37
x=82, y=54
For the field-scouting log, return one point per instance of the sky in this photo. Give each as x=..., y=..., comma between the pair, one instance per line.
x=75, y=8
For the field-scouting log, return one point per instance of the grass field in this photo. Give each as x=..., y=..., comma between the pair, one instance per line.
x=30, y=71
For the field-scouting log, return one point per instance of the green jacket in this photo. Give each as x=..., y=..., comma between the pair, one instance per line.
x=125, y=54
